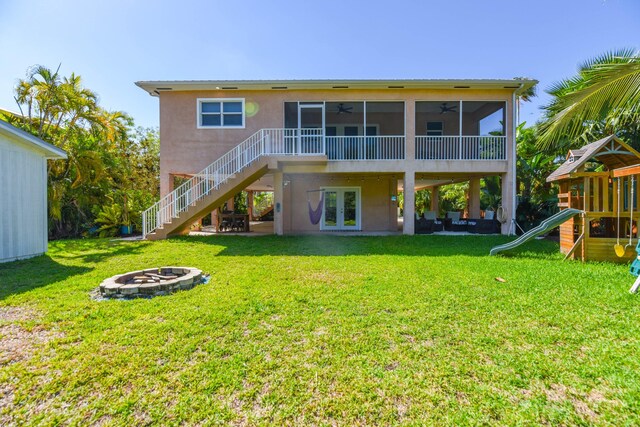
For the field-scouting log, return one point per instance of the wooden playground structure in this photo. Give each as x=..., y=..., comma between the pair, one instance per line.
x=601, y=180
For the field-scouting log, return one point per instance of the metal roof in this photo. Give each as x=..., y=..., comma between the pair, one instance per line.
x=51, y=151
x=155, y=87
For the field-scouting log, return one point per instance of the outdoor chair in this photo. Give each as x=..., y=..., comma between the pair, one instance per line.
x=226, y=224
x=486, y=225
x=435, y=223
x=238, y=224
x=422, y=225
x=454, y=223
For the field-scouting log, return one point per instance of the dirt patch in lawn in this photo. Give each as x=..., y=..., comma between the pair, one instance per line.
x=18, y=343
x=585, y=404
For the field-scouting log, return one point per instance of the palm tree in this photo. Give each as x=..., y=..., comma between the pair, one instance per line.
x=60, y=110
x=605, y=94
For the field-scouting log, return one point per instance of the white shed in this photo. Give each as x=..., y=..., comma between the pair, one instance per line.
x=23, y=192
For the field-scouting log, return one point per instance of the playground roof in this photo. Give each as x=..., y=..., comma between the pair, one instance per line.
x=610, y=151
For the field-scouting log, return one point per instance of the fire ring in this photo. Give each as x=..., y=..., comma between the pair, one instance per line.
x=151, y=282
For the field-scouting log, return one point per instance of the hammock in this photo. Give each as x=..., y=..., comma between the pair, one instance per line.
x=315, y=214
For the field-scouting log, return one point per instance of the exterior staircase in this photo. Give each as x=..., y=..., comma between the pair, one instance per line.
x=228, y=175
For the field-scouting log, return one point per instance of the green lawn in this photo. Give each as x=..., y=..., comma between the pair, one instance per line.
x=321, y=330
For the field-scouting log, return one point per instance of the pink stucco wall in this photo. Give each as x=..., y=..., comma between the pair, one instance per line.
x=185, y=149
x=379, y=212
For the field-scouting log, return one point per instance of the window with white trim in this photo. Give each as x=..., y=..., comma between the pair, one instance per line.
x=221, y=113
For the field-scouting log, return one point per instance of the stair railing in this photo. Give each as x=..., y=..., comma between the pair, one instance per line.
x=265, y=142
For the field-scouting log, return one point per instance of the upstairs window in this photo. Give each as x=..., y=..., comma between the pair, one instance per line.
x=221, y=113
x=435, y=129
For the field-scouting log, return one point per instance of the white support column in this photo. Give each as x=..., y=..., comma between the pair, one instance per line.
x=410, y=131
x=508, y=203
x=435, y=199
x=409, y=210
x=215, y=219
x=509, y=179
x=278, y=188
x=474, y=198
x=250, y=204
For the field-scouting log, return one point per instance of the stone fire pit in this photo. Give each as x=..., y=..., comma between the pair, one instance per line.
x=151, y=282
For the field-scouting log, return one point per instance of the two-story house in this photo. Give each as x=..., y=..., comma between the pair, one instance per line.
x=348, y=145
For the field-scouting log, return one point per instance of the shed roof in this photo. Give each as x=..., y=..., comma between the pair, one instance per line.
x=50, y=151
x=610, y=151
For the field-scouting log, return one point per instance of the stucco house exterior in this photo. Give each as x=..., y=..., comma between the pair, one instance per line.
x=352, y=143
x=23, y=192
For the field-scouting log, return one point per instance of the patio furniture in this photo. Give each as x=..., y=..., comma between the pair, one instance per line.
x=428, y=223
x=224, y=225
x=436, y=223
x=421, y=226
x=234, y=222
x=454, y=223
x=486, y=225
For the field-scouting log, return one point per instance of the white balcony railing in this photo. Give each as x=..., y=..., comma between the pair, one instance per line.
x=308, y=142
x=296, y=141
x=461, y=147
x=365, y=147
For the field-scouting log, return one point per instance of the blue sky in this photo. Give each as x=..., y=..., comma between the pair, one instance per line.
x=112, y=44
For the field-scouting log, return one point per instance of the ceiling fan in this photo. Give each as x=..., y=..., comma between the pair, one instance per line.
x=445, y=109
x=343, y=109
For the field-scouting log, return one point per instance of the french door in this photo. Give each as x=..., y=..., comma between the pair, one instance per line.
x=341, y=209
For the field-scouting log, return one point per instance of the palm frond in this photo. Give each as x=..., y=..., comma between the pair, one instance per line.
x=605, y=88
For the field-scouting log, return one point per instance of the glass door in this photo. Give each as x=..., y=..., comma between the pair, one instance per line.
x=311, y=125
x=350, y=210
x=341, y=209
x=330, y=214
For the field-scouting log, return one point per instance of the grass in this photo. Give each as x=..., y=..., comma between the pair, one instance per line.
x=321, y=330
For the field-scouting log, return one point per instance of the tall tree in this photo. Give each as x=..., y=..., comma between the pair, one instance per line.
x=603, y=98
x=109, y=161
